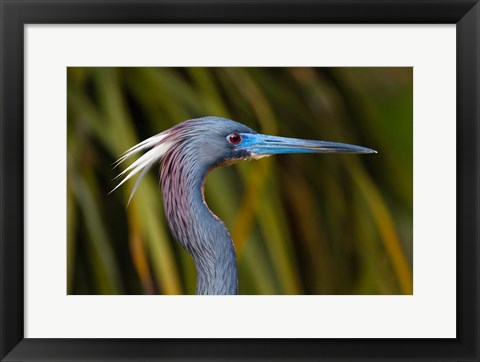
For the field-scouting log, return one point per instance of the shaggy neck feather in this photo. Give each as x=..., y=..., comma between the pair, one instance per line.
x=194, y=225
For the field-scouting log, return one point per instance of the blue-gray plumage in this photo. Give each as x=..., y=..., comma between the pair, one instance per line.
x=188, y=151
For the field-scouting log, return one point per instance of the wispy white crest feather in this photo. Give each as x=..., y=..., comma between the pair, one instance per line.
x=148, y=143
x=158, y=148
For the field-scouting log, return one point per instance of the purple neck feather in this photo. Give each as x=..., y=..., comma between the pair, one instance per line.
x=202, y=234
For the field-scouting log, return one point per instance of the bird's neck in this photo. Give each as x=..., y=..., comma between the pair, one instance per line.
x=198, y=230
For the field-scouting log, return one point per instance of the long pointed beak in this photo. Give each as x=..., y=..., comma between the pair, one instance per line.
x=259, y=144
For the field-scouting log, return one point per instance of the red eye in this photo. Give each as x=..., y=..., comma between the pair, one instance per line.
x=234, y=138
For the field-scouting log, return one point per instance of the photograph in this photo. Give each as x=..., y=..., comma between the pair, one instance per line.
x=239, y=180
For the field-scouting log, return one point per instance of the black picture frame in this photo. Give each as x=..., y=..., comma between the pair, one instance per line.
x=15, y=14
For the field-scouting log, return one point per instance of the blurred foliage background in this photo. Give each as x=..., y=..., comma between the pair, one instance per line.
x=301, y=224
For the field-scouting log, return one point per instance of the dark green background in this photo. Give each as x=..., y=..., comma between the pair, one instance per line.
x=301, y=224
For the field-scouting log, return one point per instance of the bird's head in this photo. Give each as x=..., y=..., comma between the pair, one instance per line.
x=215, y=141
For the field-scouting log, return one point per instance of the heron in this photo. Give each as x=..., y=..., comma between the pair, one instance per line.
x=187, y=152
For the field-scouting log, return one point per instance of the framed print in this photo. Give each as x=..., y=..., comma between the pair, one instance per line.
x=357, y=239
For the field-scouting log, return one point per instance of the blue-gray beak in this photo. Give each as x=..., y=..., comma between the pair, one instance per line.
x=259, y=144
